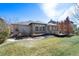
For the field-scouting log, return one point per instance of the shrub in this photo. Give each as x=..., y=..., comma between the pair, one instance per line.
x=4, y=31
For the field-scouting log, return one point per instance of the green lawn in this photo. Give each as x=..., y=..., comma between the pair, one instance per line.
x=47, y=47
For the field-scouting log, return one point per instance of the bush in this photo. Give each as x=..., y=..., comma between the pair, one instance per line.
x=4, y=31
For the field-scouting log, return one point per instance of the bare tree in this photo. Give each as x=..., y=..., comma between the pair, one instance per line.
x=76, y=11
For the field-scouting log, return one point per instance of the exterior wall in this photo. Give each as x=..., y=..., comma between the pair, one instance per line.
x=65, y=27
x=52, y=29
x=38, y=29
x=23, y=29
x=61, y=27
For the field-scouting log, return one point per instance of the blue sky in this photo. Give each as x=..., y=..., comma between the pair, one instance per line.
x=14, y=12
x=21, y=12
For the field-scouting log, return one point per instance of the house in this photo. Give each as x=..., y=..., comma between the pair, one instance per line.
x=34, y=28
x=52, y=27
x=29, y=28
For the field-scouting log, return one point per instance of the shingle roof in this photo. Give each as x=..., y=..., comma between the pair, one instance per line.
x=28, y=22
x=51, y=22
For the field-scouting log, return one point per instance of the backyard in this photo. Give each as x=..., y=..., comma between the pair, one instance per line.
x=49, y=46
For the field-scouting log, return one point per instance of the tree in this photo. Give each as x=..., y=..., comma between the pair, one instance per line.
x=75, y=15
x=4, y=30
x=76, y=12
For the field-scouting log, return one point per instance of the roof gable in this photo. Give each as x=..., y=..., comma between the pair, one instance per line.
x=53, y=22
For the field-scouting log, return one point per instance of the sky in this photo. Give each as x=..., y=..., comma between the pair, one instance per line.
x=21, y=12
x=43, y=12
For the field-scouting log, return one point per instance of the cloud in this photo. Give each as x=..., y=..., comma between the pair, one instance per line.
x=69, y=12
x=49, y=9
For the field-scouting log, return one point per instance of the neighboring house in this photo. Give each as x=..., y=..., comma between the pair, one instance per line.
x=65, y=27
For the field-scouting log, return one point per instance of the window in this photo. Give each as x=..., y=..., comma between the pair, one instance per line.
x=39, y=28
x=43, y=28
x=36, y=29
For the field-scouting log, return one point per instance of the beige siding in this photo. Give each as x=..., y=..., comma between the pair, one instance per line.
x=40, y=29
x=24, y=29
x=51, y=29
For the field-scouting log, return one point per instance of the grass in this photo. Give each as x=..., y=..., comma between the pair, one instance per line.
x=47, y=47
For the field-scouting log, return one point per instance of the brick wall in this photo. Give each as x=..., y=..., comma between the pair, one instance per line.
x=65, y=26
